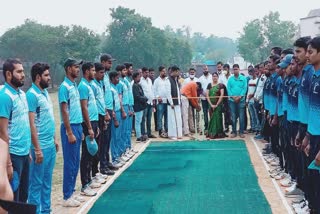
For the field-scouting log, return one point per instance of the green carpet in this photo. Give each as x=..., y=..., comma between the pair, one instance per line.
x=185, y=177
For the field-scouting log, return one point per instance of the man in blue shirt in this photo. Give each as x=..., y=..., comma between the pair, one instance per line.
x=273, y=107
x=116, y=122
x=71, y=131
x=90, y=128
x=107, y=60
x=14, y=125
x=103, y=124
x=237, y=88
x=313, y=133
x=44, y=145
x=127, y=105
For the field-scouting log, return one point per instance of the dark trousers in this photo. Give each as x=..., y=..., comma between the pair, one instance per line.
x=258, y=106
x=227, y=115
x=146, y=121
x=314, y=174
x=276, y=142
x=205, y=107
x=284, y=141
x=294, y=154
x=103, y=140
x=265, y=127
x=20, y=165
x=86, y=157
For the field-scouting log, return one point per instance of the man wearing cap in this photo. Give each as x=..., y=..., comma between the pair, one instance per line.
x=106, y=60
x=90, y=128
x=71, y=131
x=14, y=125
x=44, y=145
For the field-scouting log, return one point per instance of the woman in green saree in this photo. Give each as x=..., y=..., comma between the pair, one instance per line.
x=215, y=94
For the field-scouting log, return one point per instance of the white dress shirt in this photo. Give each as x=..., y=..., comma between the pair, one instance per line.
x=205, y=80
x=187, y=80
x=159, y=88
x=146, y=85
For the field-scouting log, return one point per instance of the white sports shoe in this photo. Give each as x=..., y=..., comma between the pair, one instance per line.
x=88, y=192
x=78, y=198
x=70, y=202
x=102, y=175
x=95, y=185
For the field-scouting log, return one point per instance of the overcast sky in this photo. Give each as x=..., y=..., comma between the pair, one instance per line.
x=221, y=18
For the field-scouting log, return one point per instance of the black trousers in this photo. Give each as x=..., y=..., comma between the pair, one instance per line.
x=314, y=185
x=295, y=163
x=86, y=157
x=103, y=156
x=285, y=141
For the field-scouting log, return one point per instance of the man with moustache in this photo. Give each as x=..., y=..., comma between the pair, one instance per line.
x=14, y=125
x=205, y=80
x=71, y=131
x=44, y=145
x=159, y=90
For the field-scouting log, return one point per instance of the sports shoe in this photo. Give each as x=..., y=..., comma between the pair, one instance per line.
x=291, y=188
x=117, y=164
x=233, y=135
x=70, y=202
x=303, y=209
x=274, y=163
x=173, y=138
x=258, y=137
x=287, y=182
x=294, y=193
x=94, y=185
x=99, y=180
x=124, y=158
x=103, y=176
x=139, y=140
x=88, y=192
x=300, y=205
x=151, y=136
x=78, y=198
x=120, y=161
x=107, y=172
x=281, y=176
x=112, y=167
x=242, y=135
x=135, y=151
x=298, y=200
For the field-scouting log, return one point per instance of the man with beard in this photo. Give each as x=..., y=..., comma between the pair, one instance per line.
x=173, y=108
x=44, y=144
x=14, y=125
x=205, y=80
x=90, y=128
x=71, y=131
x=159, y=90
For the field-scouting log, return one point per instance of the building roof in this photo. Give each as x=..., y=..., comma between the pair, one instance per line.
x=313, y=13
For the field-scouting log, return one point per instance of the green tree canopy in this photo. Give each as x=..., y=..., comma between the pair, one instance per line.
x=259, y=36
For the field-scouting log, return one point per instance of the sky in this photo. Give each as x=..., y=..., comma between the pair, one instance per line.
x=223, y=18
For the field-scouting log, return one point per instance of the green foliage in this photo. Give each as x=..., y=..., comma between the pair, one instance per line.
x=259, y=36
x=33, y=42
x=131, y=37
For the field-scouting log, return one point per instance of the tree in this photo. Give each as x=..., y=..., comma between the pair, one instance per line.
x=131, y=37
x=259, y=36
x=33, y=42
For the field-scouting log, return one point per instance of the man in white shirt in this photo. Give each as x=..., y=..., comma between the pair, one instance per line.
x=146, y=84
x=192, y=76
x=254, y=120
x=205, y=79
x=159, y=89
x=222, y=76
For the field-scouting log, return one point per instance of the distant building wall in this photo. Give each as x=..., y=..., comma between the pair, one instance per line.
x=310, y=26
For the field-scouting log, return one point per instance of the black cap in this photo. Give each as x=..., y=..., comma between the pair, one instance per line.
x=106, y=57
x=71, y=62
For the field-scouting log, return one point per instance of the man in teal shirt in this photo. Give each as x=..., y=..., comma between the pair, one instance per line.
x=71, y=131
x=237, y=88
x=44, y=146
x=14, y=125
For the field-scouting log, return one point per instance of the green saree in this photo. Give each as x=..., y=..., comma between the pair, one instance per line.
x=215, y=128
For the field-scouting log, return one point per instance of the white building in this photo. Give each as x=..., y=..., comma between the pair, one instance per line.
x=310, y=25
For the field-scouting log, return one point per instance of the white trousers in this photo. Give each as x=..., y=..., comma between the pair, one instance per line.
x=174, y=122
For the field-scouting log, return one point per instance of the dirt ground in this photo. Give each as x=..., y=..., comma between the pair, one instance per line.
x=267, y=185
